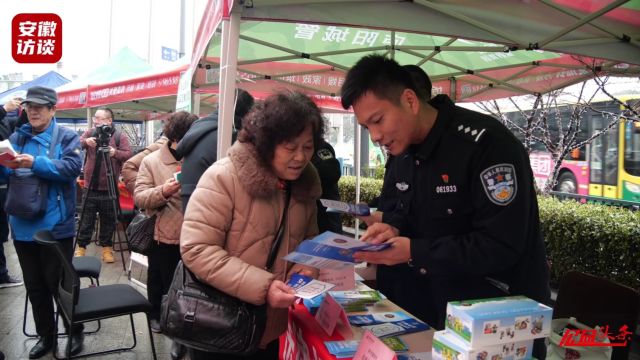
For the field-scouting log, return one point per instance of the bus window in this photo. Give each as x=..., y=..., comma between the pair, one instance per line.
x=596, y=154
x=611, y=157
x=632, y=148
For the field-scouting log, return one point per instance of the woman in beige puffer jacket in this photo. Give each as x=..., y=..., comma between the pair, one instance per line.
x=157, y=192
x=233, y=215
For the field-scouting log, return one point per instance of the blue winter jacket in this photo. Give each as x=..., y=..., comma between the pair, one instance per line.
x=61, y=171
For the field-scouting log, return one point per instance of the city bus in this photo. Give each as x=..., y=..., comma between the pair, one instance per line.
x=609, y=166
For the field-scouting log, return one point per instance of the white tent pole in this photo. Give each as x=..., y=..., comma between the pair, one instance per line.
x=89, y=119
x=196, y=103
x=149, y=132
x=229, y=55
x=393, y=45
x=452, y=89
x=356, y=166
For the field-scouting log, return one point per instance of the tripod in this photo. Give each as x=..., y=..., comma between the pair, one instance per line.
x=102, y=156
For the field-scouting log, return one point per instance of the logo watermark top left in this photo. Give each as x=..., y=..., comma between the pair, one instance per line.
x=36, y=38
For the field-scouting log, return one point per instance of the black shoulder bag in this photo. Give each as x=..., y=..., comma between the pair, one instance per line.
x=204, y=318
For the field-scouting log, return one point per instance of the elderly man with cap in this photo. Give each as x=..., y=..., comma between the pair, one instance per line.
x=47, y=154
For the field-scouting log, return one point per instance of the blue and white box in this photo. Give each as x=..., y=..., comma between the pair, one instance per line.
x=447, y=345
x=502, y=320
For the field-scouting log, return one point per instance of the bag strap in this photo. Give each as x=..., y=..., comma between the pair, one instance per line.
x=280, y=233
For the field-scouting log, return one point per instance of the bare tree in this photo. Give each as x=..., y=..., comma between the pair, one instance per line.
x=559, y=131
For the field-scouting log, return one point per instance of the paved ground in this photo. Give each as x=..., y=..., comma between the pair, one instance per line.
x=114, y=332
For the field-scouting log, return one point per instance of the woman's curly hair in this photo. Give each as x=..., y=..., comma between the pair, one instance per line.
x=280, y=118
x=176, y=125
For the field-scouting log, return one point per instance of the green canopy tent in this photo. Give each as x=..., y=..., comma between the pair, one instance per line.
x=72, y=97
x=472, y=50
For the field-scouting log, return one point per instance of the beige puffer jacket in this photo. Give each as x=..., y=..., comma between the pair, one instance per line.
x=155, y=170
x=231, y=222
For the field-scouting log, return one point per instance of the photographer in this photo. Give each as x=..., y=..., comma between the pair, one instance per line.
x=103, y=137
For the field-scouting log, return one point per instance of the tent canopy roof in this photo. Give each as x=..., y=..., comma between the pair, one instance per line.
x=472, y=50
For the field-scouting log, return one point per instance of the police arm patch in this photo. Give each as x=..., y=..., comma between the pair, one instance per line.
x=500, y=183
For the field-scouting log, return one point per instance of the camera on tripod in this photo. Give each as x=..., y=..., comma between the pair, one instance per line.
x=103, y=134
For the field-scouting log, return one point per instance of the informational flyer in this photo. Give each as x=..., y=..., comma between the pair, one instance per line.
x=330, y=251
x=308, y=288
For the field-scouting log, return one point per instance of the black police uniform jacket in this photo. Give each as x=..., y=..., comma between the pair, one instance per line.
x=465, y=197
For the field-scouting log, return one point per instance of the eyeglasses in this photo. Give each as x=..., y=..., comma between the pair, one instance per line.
x=99, y=118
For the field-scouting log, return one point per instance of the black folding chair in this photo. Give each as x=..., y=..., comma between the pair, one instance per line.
x=95, y=303
x=86, y=267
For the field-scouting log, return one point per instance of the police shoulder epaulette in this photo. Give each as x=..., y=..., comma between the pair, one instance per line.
x=469, y=131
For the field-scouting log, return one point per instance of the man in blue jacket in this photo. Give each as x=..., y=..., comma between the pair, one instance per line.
x=33, y=142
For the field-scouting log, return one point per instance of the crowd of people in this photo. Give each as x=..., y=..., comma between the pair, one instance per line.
x=453, y=234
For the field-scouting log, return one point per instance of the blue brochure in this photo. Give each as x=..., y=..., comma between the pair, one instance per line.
x=330, y=251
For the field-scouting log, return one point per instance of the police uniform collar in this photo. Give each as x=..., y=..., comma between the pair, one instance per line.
x=445, y=106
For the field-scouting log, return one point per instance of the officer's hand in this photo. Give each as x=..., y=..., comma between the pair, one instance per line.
x=280, y=295
x=112, y=151
x=398, y=253
x=376, y=217
x=91, y=142
x=379, y=233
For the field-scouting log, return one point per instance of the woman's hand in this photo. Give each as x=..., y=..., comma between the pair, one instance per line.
x=280, y=295
x=170, y=187
x=20, y=161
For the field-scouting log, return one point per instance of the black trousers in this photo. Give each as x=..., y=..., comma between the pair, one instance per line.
x=97, y=201
x=269, y=353
x=41, y=274
x=163, y=260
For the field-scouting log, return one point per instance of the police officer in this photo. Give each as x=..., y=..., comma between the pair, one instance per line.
x=464, y=222
x=328, y=168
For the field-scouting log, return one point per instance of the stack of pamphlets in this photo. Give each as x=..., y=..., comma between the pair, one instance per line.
x=7, y=153
x=355, y=301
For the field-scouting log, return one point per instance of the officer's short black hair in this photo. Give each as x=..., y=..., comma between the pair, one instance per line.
x=378, y=74
x=421, y=81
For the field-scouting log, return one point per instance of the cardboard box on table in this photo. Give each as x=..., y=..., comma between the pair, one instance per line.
x=487, y=322
x=449, y=346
